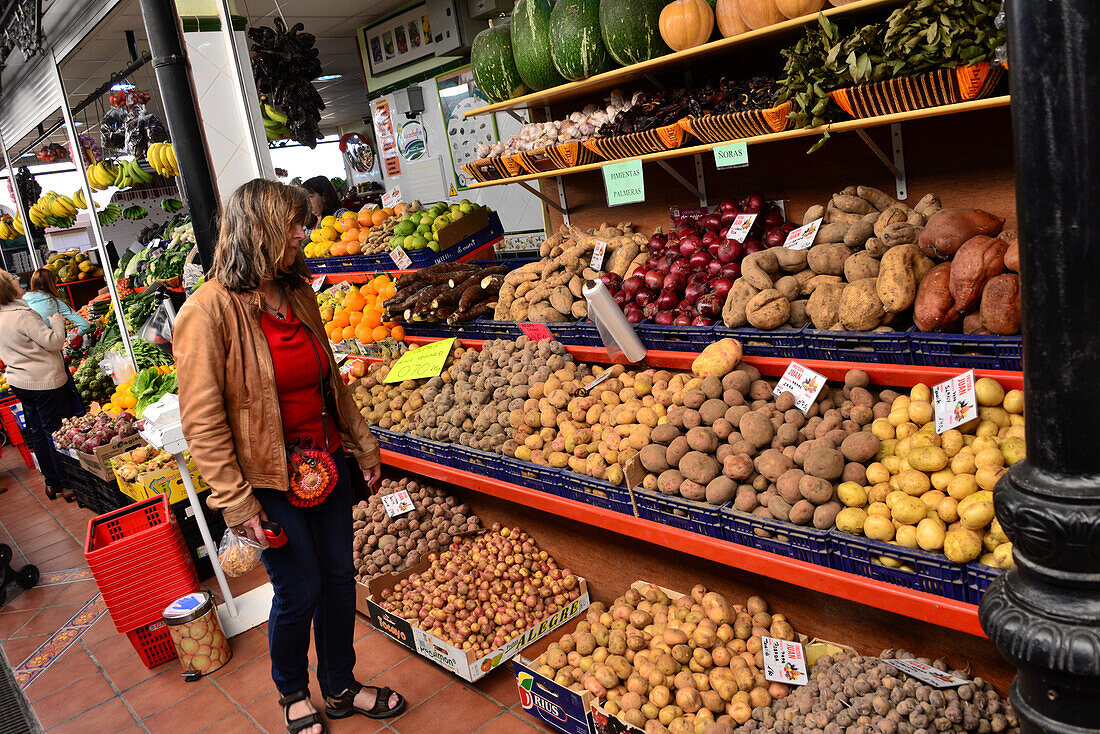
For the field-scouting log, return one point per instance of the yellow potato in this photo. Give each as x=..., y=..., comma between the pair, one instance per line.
x=988, y=391
x=878, y=508
x=961, y=545
x=1013, y=450
x=976, y=515
x=900, y=402
x=877, y=527
x=851, y=494
x=930, y=534
x=989, y=458
x=980, y=496
x=898, y=416
x=906, y=535
x=850, y=520
x=921, y=393
x=987, y=559
x=920, y=412
x=892, y=463
x=886, y=448
x=963, y=463
x=948, y=509
x=878, y=492
x=928, y=458
x=893, y=497
x=1016, y=421
x=951, y=441
x=988, y=478
x=907, y=429
x=876, y=473
x=913, y=482
x=987, y=428
x=1003, y=555
x=996, y=415
x=909, y=510
x=888, y=561
x=905, y=445
x=932, y=498
x=882, y=428
x=1014, y=401
x=942, y=479
x=924, y=437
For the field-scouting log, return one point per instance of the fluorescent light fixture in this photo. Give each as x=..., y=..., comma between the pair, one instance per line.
x=452, y=91
x=329, y=77
x=122, y=87
x=77, y=123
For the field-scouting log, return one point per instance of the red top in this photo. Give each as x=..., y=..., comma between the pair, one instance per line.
x=297, y=379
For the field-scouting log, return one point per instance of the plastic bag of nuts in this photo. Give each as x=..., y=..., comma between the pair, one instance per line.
x=237, y=555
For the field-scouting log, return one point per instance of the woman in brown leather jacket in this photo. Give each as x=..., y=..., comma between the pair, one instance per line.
x=256, y=374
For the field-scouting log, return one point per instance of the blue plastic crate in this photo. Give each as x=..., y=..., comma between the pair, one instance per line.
x=881, y=347
x=759, y=343
x=602, y=494
x=979, y=577
x=489, y=235
x=488, y=329
x=933, y=573
x=674, y=338
x=385, y=438
x=585, y=334
x=434, y=451
x=436, y=329
x=775, y=536
x=677, y=512
x=476, y=461
x=17, y=414
x=531, y=475
x=967, y=351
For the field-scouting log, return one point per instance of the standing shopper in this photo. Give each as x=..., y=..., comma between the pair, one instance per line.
x=45, y=298
x=323, y=199
x=31, y=348
x=258, y=383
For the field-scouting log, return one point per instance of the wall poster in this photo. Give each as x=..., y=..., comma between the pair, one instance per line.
x=458, y=93
x=398, y=41
x=383, y=128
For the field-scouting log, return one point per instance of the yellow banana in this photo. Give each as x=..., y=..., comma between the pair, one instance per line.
x=171, y=151
x=17, y=225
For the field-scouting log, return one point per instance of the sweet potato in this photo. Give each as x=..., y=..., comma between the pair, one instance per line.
x=758, y=268
x=851, y=204
x=980, y=259
x=768, y=309
x=860, y=266
x=827, y=259
x=1000, y=306
x=880, y=200
x=733, y=313
x=860, y=307
x=824, y=305
x=902, y=269
x=934, y=309
x=948, y=229
x=1012, y=254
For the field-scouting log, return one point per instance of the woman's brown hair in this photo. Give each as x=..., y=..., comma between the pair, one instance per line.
x=9, y=288
x=45, y=281
x=253, y=235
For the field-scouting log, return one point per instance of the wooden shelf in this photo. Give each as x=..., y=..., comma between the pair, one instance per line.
x=836, y=127
x=938, y=610
x=680, y=60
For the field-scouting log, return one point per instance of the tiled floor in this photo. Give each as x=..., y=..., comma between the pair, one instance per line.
x=96, y=684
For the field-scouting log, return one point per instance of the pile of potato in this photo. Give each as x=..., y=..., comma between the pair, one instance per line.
x=854, y=694
x=671, y=666
x=388, y=545
x=549, y=290
x=935, y=491
x=873, y=267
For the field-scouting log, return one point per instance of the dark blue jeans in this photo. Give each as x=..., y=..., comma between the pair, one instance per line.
x=314, y=579
x=43, y=410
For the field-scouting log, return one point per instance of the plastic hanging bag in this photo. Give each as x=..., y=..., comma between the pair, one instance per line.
x=158, y=327
x=616, y=332
x=237, y=555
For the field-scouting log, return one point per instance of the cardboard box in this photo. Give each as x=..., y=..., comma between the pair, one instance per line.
x=97, y=462
x=162, y=481
x=469, y=224
x=462, y=663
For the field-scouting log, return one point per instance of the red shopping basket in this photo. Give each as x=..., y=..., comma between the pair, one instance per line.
x=134, y=526
x=153, y=643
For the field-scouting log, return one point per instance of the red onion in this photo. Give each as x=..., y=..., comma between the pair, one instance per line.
x=709, y=305
x=753, y=204
x=632, y=285
x=681, y=267
x=711, y=222
x=684, y=228
x=690, y=245
x=650, y=310
x=702, y=321
x=713, y=267
x=620, y=299
x=727, y=218
x=789, y=227
x=753, y=246
x=667, y=300
x=643, y=297
x=694, y=291
x=658, y=240
x=710, y=237
x=729, y=251
x=611, y=280
x=683, y=320
x=675, y=282
x=654, y=279
x=772, y=219
x=699, y=260
x=729, y=207
x=775, y=238
x=634, y=316
x=713, y=249
x=721, y=286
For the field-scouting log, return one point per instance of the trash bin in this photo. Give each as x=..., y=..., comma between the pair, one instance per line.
x=197, y=634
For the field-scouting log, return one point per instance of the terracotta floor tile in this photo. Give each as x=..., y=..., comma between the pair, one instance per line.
x=78, y=592
x=11, y=622
x=414, y=678
x=249, y=682
x=111, y=650
x=73, y=666
x=111, y=716
x=36, y=598
x=63, y=562
x=500, y=685
x=236, y=723
x=73, y=700
x=60, y=547
x=103, y=629
x=247, y=646
x=31, y=546
x=18, y=649
x=194, y=713
x=454, y=710
x=510, y=723
x=354, y=725
x=376, y=653
x=130, y=671
x=50, y=620
x=269, y=715
x=161, y=691
x=362, y=629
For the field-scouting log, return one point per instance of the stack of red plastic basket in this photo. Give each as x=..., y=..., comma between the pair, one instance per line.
x=11, y=427
x=141, y=565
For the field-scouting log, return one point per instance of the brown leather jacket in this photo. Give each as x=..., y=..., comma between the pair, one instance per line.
x=228, y=399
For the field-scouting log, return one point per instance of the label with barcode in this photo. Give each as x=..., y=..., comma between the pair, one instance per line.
x=598, y=251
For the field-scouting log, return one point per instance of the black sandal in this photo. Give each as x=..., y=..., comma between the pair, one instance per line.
x=293, y=726
x=342, y=706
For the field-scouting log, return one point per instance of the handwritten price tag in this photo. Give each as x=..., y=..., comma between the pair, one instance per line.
x=784, y=661
x=318, y=283
x=598, y=251
x=732, y=155
x=803, y=237
x=427, y=361
x=803, y=383
x=397, y=503
x=391, y=198
x=739, y=230
x=535, y=332
x=400, y=258
x=955, y=401
x=927, y=674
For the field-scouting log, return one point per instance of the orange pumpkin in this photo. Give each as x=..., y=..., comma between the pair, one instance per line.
x=685, y=24
x=759, y=13
x=729, y=19
x=798, y=8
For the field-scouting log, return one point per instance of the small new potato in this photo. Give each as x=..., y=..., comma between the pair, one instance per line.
x=909, y=510
x=927, y=459
x=930, y=534
x=877, y=527
x=920, y=412
x=851, y=520
x=1014, y=401
x=851, y=494
x=962, y=545
x=913, y=482
x=906, y=535
x=988, y=391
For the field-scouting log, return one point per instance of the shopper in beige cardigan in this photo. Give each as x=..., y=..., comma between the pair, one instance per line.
x=31, y=349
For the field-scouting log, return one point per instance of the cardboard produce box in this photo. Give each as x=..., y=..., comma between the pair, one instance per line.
x=459, y=230
x=166, y=480
x=463, y=663
x=97, y=462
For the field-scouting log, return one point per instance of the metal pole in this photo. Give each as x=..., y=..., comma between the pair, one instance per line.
x=97, y=233
x=204, y=531
x=27, y=234
x=177, y=91
x=1044, y=615
x=254, y=143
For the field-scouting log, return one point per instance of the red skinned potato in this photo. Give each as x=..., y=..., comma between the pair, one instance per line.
x=1001, y=305
x=1012, y=254
x=977, y=261
x=948, y=229
x=934, y=309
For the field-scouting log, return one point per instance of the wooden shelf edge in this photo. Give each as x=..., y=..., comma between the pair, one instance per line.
x=638, y=71
x=938, y=610
x=836, y=127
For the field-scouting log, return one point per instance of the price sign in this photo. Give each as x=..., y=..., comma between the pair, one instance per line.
x=803, y=383
x=598, y=251
x=391, y=198
x=400, y=258
x=955, y=401
x=739, y=230
x=731, y=155
x=803, y=237
x=784, y=661
x=318, y=283
x=624, y=182
x=397, y=503
x=535, y=332
x=927, y=674
x=427, y=361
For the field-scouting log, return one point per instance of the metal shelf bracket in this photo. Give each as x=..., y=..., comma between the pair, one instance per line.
x=700, y=192
x=897, y=165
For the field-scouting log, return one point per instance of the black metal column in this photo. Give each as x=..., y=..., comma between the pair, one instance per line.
x=1044, y=616
x=177, y=90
